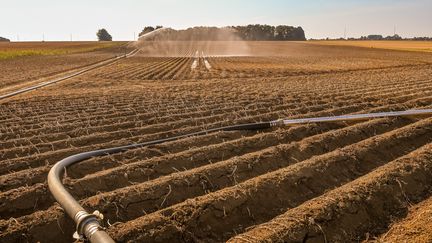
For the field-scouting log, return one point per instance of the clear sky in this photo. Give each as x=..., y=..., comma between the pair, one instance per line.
x=58, y=19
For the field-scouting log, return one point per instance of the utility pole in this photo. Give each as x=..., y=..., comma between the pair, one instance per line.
x=43, y=37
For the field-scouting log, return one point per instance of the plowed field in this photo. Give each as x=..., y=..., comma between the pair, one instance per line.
x=337, y=182
x=25, y=62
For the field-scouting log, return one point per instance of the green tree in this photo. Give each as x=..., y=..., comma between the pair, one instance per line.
x=269, y=33
x=103, y=35
x=4, y=39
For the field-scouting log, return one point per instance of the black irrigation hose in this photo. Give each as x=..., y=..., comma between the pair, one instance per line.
x=88, y=226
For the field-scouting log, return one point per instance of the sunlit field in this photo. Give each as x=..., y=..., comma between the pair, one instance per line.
x=422, y=46
x=18, y=49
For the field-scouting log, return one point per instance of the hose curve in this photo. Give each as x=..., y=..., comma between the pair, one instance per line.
x=88, y=226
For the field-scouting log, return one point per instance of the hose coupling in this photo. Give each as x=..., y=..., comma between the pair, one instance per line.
x=277, y=123
x=87, y=224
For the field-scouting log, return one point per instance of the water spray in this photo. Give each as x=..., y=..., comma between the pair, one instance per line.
x=150, y=33
x=206, y=63
x=89, y=226
x=196, y=61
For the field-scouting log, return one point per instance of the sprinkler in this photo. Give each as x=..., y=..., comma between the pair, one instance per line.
x=88, y=225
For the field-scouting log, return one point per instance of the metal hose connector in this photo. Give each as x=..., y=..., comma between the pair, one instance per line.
x=87, y=224
x=277, y=123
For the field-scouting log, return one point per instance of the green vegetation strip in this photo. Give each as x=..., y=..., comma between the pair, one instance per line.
x=49, y=50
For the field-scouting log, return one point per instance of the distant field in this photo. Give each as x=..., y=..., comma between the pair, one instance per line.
x=422, y=46
x=18, y=49
x=26, y=61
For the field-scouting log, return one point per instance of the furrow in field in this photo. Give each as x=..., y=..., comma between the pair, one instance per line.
x=148, y=74
x=202, y=120
x=415, y=227
x=387, y=85
x=178, y=70
x=232, y=210
x=89, y=110
x=157, y=130
x=37, y=174
x=132, y=124
x=163, y=68
x=144, y=116
x=357, y=209
x=157, y=166
x=41, y=159
x=167, y=71
x=200, y=179
x=142, y=171
x=125, y=73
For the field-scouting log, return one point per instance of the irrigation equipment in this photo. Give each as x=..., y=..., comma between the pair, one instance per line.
x=88, y=225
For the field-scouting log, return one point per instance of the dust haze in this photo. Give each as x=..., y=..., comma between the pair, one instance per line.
x=208, y=41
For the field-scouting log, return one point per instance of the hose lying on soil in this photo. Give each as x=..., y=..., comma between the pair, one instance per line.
x=88, y=226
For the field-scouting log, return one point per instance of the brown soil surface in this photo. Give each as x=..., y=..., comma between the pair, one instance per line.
x=19, y=71
x=416, y=227
x=341, y=182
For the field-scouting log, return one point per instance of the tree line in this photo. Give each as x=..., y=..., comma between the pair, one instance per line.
x=381, y=37
x=393, y=37
x=260, y=32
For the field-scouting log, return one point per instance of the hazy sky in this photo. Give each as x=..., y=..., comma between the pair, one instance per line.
x=58, y=19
